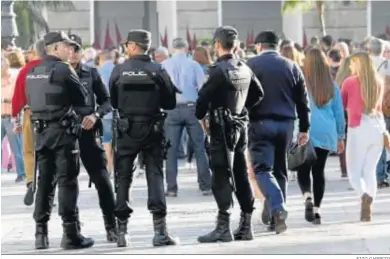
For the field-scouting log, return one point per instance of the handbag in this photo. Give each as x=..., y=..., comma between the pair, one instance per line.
x=298, y=156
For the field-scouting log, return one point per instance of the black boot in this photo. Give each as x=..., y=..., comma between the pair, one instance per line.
x=244, y=230
x=72, y=239
x=123, y=236
x=221, y=232
x=161, y=236
x=41, y=239
x=111, y=230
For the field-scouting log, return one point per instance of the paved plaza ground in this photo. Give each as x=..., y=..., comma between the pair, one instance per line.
x=191, y=214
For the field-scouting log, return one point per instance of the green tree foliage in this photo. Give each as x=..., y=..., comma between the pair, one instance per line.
x=304, y=6
x=29, y=17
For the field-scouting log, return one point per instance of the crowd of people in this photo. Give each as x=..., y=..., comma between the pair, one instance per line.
x=348, y=93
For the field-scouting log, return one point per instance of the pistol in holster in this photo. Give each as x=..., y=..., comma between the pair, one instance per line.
x=219, y=119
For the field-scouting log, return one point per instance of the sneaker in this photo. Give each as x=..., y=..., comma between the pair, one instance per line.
x=170, y=194
x=309, y=212
x=207, y=192
x=383, y=184
x=317, y=219
x=19, y=179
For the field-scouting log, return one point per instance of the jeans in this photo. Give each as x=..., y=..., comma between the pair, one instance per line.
x=381, y=168
x=382, y=173
x=268, y=142
x=107, y=131
x=178, y=119
x=363, y=151
x=15, y=142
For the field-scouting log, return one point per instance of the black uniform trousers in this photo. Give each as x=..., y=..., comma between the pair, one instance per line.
x=130, y=144
x=94, y=159
x=220, y=179
x=57, y=165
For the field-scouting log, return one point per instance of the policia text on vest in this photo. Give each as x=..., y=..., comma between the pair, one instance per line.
x=139, y=90
x=52, y=89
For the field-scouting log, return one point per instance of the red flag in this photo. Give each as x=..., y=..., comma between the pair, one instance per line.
x=108, y=42
x=164, y=39
x=252, y=36
x=96, y=43
x=304, y=41
x=118, y=35
x=248, y=38
x=189, y=39
x=388, y=30
x=165, y=42
x=194, y=42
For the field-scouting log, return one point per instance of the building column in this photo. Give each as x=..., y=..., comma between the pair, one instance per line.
x=219, y=12
x=293, y=25
x=167, y=19
x=9, y=30
x=369, y=17
x=91, y=21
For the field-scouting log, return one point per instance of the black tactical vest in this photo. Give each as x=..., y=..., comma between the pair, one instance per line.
x=138, y=93
x=85, y=76
x=47, y=100
x=238, y=76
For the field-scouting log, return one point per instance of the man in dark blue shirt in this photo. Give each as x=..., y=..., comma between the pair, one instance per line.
x=272, y=122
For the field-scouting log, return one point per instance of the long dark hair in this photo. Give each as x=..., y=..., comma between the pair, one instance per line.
x=318, y=77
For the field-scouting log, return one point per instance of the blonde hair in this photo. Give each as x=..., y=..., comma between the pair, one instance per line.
x=292, y=53
x=344, y=71
x=16, y=59
x=370, y=84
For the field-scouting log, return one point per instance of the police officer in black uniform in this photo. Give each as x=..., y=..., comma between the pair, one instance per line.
x=230, y=90
x=53, y=88
x=139, y=89
x=92, y=152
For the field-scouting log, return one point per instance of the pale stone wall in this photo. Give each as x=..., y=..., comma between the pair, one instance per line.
x=202, y=17
x=77, y=20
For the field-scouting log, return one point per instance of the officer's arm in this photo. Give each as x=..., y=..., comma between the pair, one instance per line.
x=78, y=94
x=301, y=100
x=167, y=90
x=206, y=93
x=255, y=93
x=101, y=93
x=113, y=86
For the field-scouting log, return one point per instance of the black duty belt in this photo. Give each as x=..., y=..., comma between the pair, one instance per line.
x=184, y=105
x=5, y=116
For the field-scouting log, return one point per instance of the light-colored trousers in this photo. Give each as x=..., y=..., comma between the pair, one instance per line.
x=364, y=148
x=28, y=146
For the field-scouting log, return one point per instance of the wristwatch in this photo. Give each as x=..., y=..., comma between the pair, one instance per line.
x=97, y=115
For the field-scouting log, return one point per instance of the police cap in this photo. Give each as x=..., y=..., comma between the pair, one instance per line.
x=269, y=37
x=54, y=37
x=139, y=36
x=76, y=39
x=225, y=34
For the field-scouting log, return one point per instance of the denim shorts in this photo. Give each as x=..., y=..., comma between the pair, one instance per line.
x=107, y=131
